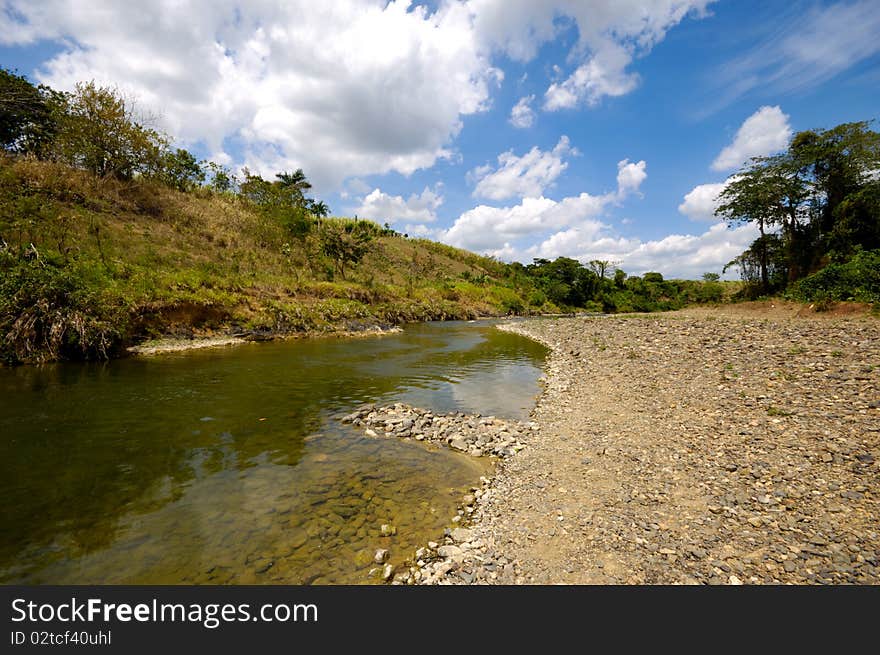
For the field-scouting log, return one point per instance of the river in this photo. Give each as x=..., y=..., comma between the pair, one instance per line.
x=230, y=466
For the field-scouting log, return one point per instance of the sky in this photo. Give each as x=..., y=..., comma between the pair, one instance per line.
x=593, y=129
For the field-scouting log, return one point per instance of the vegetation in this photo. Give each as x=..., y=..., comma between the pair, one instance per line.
x=817, y=209
x=109, y=236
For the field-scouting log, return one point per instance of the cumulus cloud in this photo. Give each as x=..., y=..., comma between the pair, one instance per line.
x=486, y=229
x=501, y=231
x=526, y=176
x=700, y=203
x=630, y=176
x=381, y=207
x=611, y=35
x=602, y=75
x=763, y=133
x=386, y=93
x=522, y=115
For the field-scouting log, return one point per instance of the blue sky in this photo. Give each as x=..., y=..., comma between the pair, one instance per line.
x=595, y=129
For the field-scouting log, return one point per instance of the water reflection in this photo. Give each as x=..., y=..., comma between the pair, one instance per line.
x=227, y=466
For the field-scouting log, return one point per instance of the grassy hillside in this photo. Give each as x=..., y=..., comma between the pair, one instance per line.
x=91, y=265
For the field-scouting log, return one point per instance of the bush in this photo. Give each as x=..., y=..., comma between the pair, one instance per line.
x=858, y=279
x=49, y=312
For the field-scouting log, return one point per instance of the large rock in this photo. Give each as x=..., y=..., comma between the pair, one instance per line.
x=461, y=535
x=451, y=552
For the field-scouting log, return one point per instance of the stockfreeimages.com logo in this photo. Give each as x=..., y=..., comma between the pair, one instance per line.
x=209, y=615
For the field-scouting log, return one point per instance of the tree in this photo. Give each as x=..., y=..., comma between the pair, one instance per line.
x=768, y=192
x=763, y=265
x=711, y=277
x=856, y=223
x=292, y=187
x=181, y=170
x=836, y=163
x=27, y=121
x=601, y=267
x=222, y=179
x=319, y=209
x=99, y=131
x=801, y=192
x=345, y=242
x=257, y=190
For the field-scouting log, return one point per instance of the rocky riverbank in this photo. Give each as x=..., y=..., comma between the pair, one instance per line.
x=717, y=450
x=460, y=555
x=681, y=449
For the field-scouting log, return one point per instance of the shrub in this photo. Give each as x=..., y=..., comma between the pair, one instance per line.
x=50, y=312
x=858, y=279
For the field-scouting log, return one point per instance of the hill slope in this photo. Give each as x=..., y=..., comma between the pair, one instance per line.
x=91, y=265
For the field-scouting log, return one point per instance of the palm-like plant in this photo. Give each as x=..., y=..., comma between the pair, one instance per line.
x=319, y=209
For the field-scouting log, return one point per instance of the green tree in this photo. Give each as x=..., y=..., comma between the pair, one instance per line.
x=856, y=223
x=319, y=209
x=600, y=267
x=345, y=242
x=222, y=179
x=99, y=131
x=800, y=193
x=27, y=120
x=768, y=192
x=291, y=187
x=181, y=170
x=256, y=190
x=836, y=163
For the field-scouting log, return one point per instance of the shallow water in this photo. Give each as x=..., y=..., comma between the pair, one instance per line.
x=230, y=466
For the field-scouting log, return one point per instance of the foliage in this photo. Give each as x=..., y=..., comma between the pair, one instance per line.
x=346, y=242
x=856, y=223
x=27, y=123
x=52, y=311
x=99, y=131
x=180, y=170
x=222, y=179
x=817, y=201
x=856, y=279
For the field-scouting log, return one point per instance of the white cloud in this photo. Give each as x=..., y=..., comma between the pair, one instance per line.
x=574, y=227
x=700, y=203
x=611, y=34
x=763, y=133
x=804, y=49
x=603, y=75
x=630, y=176
x=522, y=115
x=381, y=207
x=526, y=176
x=488, y=229
x=501, y=231
x=339, y=88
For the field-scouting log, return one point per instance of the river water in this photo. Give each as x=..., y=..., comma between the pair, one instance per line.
x=230, y=466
